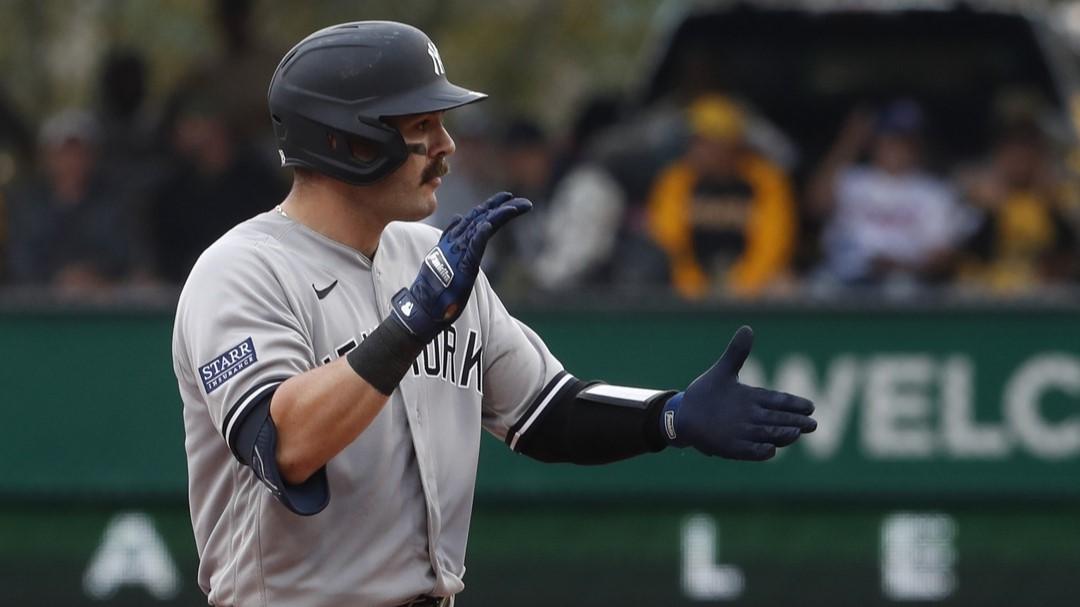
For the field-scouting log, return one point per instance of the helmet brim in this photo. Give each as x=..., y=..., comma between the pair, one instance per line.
x=438, y=96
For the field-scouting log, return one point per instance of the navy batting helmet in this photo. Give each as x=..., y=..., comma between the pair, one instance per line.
x=332, y=90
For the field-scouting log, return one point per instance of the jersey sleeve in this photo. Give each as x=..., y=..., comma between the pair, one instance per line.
x=236, y=336
x=519, y=370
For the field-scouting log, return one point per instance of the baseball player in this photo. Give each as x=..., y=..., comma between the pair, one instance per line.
x=337, y=361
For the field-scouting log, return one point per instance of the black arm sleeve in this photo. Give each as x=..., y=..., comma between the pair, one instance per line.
x=255, y=445
x=565, y=423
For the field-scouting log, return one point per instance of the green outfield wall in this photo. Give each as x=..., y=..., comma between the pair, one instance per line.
x=557, y=553
x=929, y=403
x=946, y=470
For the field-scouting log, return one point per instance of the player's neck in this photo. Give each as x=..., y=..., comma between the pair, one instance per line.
x=334, y=214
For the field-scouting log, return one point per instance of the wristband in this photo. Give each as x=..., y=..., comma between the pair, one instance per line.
x=386, y=355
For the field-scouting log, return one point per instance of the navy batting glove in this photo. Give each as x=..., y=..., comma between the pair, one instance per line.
x=438, y=295
x=717, y=415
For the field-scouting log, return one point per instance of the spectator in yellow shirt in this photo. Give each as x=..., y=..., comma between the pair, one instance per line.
x=1024, y=240
x=723, y=214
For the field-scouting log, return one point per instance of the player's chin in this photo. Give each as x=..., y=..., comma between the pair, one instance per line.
x=425, y=204
x=427, y=190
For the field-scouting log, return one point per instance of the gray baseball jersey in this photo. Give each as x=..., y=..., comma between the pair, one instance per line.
x=272, y=299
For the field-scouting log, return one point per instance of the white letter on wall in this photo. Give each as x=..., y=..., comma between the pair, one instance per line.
x=703, y=579
x=131, y=554
x=918, y=556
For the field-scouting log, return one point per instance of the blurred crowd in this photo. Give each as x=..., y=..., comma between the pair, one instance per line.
x=124, y=194
x=705, y=199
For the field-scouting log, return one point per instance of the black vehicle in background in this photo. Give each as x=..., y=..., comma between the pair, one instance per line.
x=805, y=65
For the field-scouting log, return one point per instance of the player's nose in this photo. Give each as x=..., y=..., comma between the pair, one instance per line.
x=442, y=144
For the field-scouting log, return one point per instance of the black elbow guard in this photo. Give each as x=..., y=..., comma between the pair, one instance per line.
x=589, y=423
x=255, y=445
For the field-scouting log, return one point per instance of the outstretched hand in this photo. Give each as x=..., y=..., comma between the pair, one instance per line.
x=443, y=285
x=717, y=415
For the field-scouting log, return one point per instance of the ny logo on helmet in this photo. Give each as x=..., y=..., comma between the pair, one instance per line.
x=436, y=60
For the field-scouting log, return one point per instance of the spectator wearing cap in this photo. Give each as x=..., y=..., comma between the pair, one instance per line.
x=889, y=222
x=1024, y=239
x=722, y=212
x=67, y=229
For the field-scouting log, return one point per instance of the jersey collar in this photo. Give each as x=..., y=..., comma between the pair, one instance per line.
x=303, y=237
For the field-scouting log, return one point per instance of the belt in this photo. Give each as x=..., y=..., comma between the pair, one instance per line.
x=430, y=601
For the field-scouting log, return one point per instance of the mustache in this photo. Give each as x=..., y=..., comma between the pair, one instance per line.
x=437, y=168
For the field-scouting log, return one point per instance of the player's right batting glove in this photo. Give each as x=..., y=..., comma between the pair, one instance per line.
x=441, y=289
x=717, y=415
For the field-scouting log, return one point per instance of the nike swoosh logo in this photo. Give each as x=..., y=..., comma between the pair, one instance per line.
x=322, y=293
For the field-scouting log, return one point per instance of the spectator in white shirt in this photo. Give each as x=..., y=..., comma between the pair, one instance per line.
x=889, y=222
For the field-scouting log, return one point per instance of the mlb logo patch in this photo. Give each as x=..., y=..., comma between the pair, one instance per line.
x=226, y=366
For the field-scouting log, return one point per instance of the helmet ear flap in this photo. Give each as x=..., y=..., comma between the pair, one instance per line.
x=360, y=157
x=362, y=150
x=376, y=141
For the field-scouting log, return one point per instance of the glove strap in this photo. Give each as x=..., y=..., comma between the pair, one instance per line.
x=408, y=311
x=668, y=427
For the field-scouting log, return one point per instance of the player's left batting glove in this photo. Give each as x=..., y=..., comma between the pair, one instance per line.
x=441, y=289
x=717, y=415
x=437, y=296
